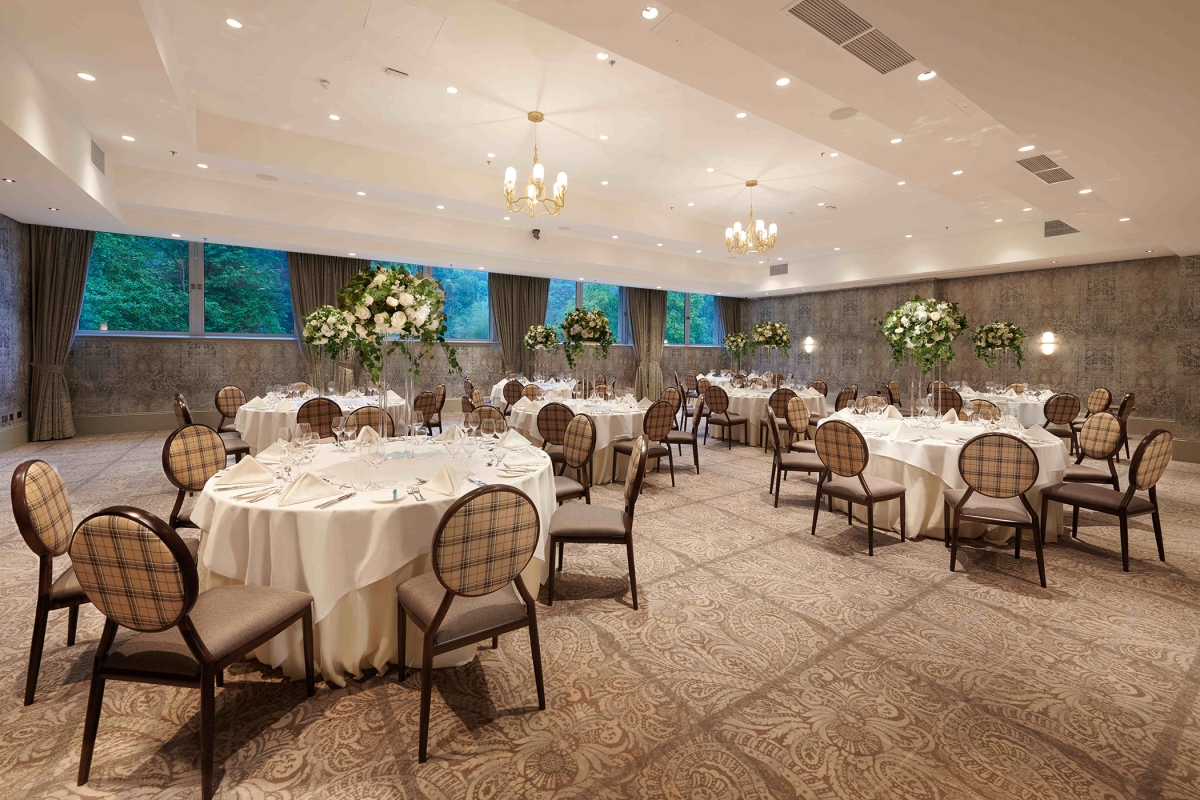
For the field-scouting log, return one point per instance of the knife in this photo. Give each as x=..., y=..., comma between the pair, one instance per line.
x=336, y=500
x=240, y=486
x=254, y=493
x=264, y=495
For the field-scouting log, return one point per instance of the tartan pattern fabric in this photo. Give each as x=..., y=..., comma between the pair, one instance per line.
x=467, y=405
x=229, y=400
x=512, y=392
x=194, y=454
x=579, y=441
x=657, y=423
x=797, y=415
x=758, y=383
x=1099, y=400
x=979, y=404
x=716, y=399
x=1155, y=452
x=48, y=507
x=945, y=398
x=439, y=397
x=820, y=386
x=690, y=380
x=1019, y=388
x=778, y=401
x=299, y=386
x=633, y=481
x=934, y=385
x=372, y=417
x=672, y=396
x=477, y=398
x=552, y=422
x=489, y=412
x=426, y=406
x=319, y=413
x=841, y=448
x=844, y=399
x=129, y=573
x=1100, y=436
x=183, y=415
x=532, y=392
x=886, y=392
x=998, y=465
x=702, y=385
x=468, y=387
x=1061, y=409
x=486, y=542
x=894, y=391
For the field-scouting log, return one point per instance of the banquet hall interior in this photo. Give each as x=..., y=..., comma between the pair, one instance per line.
x=541, y=399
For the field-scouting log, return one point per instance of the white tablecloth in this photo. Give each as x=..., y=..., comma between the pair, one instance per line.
x=498, y=390
x=349, y=557
x=752, y=404
x=613, y=424
x=258, y=427
x=1026, y=407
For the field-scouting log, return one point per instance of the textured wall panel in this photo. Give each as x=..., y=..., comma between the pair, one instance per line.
x=14, y=319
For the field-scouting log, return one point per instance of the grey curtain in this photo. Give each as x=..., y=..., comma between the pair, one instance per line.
x=315, y=281
x=518, y=302
x=648, y=324
x=59, y=261
x=730, y=313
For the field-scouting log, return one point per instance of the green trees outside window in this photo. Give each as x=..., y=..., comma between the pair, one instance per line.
x=675, y=317
x=136, y=283
x=606, y=298
x=561, y=300
x=246, y=290
x=702, y=329
x=468, y=313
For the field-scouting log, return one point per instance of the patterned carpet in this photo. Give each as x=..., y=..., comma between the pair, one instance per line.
x=765, y=662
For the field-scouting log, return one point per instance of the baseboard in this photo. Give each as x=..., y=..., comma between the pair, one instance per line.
x=14, y=436
x=91, y=424
x=1187, y=450
x=1140, y=426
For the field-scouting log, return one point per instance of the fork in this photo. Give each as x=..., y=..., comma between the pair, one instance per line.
x=415, y=491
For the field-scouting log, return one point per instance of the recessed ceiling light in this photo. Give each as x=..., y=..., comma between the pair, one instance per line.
x=833, y=155
x=1085, y=191
x=615, y=236
x=602, y=55
x=691, y=204
x=233, y=23
x=52, y=208
x=353, y=254
x=604, y=183
x=897, y=140
x=659, y=244
x=899, y=183
x=908, y=236
x=710, y=169
x=741, y=115
x=698, y=251
x=820, y=204
x=837, y=248
x=1027, y=209
x=506, y=219
x=927, y=75
x=481, y=269
x=8, y=180
x=1025, y=148
x=603, y=137
x=1148, y=251
x=957, y=172
x=129, y=138
x=649, y=12
x=718, y=292
x=762, y=262
x=783, y=81
x=362, y=194
x=202, y=166
x=657, y=287
x=334, y=117
x=999, y=220
x=1122, y=219
x=491, y=155
x=86, y=76
x=451, y=90
x=1054, y=262
x=441, y=208
x=175, y=235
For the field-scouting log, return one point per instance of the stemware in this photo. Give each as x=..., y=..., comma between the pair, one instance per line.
x=487, y=429
x=336, y=427
x=305, y=433
x=349, y=426
x=470, y=444
x=471, y=422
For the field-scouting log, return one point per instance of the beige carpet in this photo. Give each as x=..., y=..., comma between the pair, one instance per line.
x=764, y=662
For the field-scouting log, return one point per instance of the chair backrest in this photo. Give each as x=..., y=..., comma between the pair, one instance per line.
x=467, y=405
x=425, y=405
x=600, y=380
x=844, y=399
x=489, y=412
x=672, y=396
x=871, y=402
x=935, y=384
x=1150, y=460
x=979, y=404
x=635, y=473
x=372, y=417
x=945, y=398
x=1098, y=400
x=773, y=432
x=183, y=415
x=885, y=390
x=532, y=392
x=1061, y=408
x=1018, y=388
x=512, y=391
x=998, y=465
x=841, y=448
x=1125, y=410
x=468, y=386
x=820, y=386
x=797, y=415
x=191, y=455
x=893, y=391
x=579, y=442
x=485, y=540
x=552, y=422
x=299, y=386
x=690, y=378
x=41, y=508
x=716, y=399
x=778, y=401
x=757, y=383
x=1100, y=436
x=658, y=420
x=228, y=400
x=134, y=568
x=439, y=394
x=702, y=385
x=477, y=398
x=319, y=413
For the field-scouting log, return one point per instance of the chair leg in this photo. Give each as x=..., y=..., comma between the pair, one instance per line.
x=220, y=677
x=816, y=511
x=72, y=624
x=1017, y=545
x=495, y=642
x=1045, y=508
x=535, y=650
x=696, y=454
x=632, y=575
x=849, y=513
x=870, y=529
x=903, y=532
x=91, y=724
x=561, y=545
x=310, y=669
x=771, y=480
x=613, y=479
x=207, y=723
x=1162, y=555
x=670, y=465
x=550, y=578
x=953, y=541
x=946, y=522
x=402, y=641
x=426, y=696
x=41, y=615
x=1037, y=548
x=1124, y=542
x=1075, y=522
x=778, y=481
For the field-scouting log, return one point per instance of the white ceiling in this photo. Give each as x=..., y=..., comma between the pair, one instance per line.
x=1102, y=97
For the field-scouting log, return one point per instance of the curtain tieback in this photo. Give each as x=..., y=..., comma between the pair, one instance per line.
x=54, y=369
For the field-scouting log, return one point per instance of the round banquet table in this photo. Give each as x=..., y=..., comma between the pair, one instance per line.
x=752, y=404
x=928, y=466
x=350, y=557
x=614, y=423
x=1027, y=407
x=258, y=427
x=497, y=394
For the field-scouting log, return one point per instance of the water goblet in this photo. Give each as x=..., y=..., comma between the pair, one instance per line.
x=336, y=427
x=470, y=444
x=349, y=426
x=453, y=447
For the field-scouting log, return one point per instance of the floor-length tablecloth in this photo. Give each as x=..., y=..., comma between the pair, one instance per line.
x=752, y=404
x=259, y=427
x=613, y=424
x=1028, y=408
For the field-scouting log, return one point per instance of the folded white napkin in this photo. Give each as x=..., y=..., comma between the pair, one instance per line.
x=272, y=453
x=903, y=434
x=368, y=435
x=845, y=413
x=257, y=402
x=1042, y=435
x=645, y=403
x=739, y=393
x=394, y=398
x=446, y=482
x=306, y=487
x=513, y=439
x=522, y=404
x=286, y=405
x=247, y=471
x=353, y=393
x=451, y=434
x=1010, y=392
x=894, y=413
x=949, y=416
x=808, y=393
x=524, y=457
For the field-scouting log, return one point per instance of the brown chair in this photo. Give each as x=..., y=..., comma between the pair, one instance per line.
x=231, y=440
x=1018, y=388
x=702, y=385
x=486, y=412
x=1060, y=411
x=820, y=386
x=673, y=396
x=467, y=406
x=945, y=398
x=1099, y=399
x=140, y=575
x=894, y=394
x=799, y=419
x=892, y=399
x=1099, y=438
x=475, y=591
x=372, y=417
x=468, y=386
x=656, y=425
x=319, y=413
x=425, y=404
x=1150, y=461
x=845, y=398
x=935, y=384
x=1124, y=412
x=785, y=461
x=439, y=399
x=512, y=393
x=777, y=402
x=717, y=401
x=190, y=457
x=844, y=453
x=998, y=469
x=532, y=392
x=298, y=386
x=578, y=448
x=228, y=400
x=578, y=523
x=552, y=422
x=692, y=388
x=977, y=405
x=683, y=436
x=477, y=398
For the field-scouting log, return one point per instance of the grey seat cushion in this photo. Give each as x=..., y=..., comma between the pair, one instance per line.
x=804, y=446
x=555, y=452
x=1060, y=430
x=808, y=462
x=226, y=617
x=227, y=427
x=582, y=520
x=655, y=450
x=566, y=488
x=851, y=489
x=1078, y=473
x=423, y=595
x=1096, y=497
x=726, y=419
x=66, y=588
x=681, y=437
x=234, y=443
x=979, y=505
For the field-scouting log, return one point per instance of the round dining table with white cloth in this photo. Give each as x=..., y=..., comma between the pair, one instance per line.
x=615, y=422
x=1027, y=407
x=925, y=462
x=259, y=427
x=752, y=404
x=497, y=394
x=351, y=556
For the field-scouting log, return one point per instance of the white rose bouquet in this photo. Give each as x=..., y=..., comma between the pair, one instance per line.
x=925, y=328
x=738, y=345
x=999, y=337
x=582, y=327
x=330, y=328
x=772, y=335
x=541, y=337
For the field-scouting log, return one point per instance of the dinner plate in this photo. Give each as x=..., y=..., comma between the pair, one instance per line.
x=384, y=496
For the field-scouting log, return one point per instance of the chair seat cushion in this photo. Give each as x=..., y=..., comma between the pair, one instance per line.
x=980, y=505
x=656, y=450
x=234, y=443
x=726, y=419
x=584, y=521
x=423, y=595
x=66, y=588
x=783, y=423
x=226, y=617
x=1095, y=497
x=681, y=437
x=804, y=462
x=227, y=427
x=804, y=446
x=565, y=488
x=851, y=489
x=1078, y=473
x=1060, y=430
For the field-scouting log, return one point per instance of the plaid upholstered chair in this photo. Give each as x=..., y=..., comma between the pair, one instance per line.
x=719, y=414
x=702, y=385
x=656, y=426
x=1060, y=411
x=682, y=435
x=845, y=399
x=799, y=419
x=141, y=576
x=844, y=453
x=691, y=387
x=372, y=417
x=228, y=400
x=945, y=399
x=190, y=456
x=532, y=392
x=979, y=404
x=998, y=469
x=468, y=386
x=1150, y=461
x=820, y=386
x=1100, y=439
x=934, y=385
x=319, y=413
x=893, y=394
x=552, y=422
x=512, y=393
x=425, y=404
x=784, y=461
x=475, y=591
x=579, y=445
x=487, y=412
x=1018, y=388
x=672, y=396
x=777, y=402
x=299, y=386
x=1124, y=412
x=231, y=440
x=477, y=398
x=586, y=524
x=467, y=406
x=1099, y=399
x=439, y=402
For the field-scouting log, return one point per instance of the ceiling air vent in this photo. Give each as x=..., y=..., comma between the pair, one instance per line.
x=858, y=37
x=1056, y=227
x=1046, y=169
x=97, y=157
x=879, y=52
x=778, y=269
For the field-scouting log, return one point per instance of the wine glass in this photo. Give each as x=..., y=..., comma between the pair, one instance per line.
x=471, y=422
x=487, y=428
x=470, y=444
x=349, y=426
x=453, y=447
x=375, y=457
x=336, y=427
x=305, y=433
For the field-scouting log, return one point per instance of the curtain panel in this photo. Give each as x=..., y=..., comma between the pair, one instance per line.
x=59, y=260
x=731, y=315
x=315, y=281
x=648, y=324
x=518, y=302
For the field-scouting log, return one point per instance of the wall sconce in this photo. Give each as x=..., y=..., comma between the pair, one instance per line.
x=103, y=326
x=1048, y=343
x=808, y=344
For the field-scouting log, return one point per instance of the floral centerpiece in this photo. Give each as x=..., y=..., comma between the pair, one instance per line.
x=995, y=338
x=738, y=346
x=331, y=329
x=582, y=327
x=772, y=335
x=541, y=337
x=924, y=328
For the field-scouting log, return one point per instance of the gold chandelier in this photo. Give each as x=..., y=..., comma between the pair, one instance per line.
x=534, y=202
x=756, y=236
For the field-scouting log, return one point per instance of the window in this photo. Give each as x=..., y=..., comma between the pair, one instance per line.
x=561, y=301
x=136, y=283
x=468, y=314
x=703, y=315
x=246, y=290
x=606, y=298
x=675, y=317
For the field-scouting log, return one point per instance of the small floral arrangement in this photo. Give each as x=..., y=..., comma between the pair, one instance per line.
x=582, y=327
x=998, y=337
x=772, y=335
x=738, y=345
x=925, y=328
x=330, y=328
x=541, y=337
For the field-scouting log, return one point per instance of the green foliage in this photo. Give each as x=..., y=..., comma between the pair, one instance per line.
x=924, y=328
x=606, y=298
x=246, y=290
x=136, y=283
x=675, y=318
x=703, y=314
x=560, y=301
x=467, y=310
